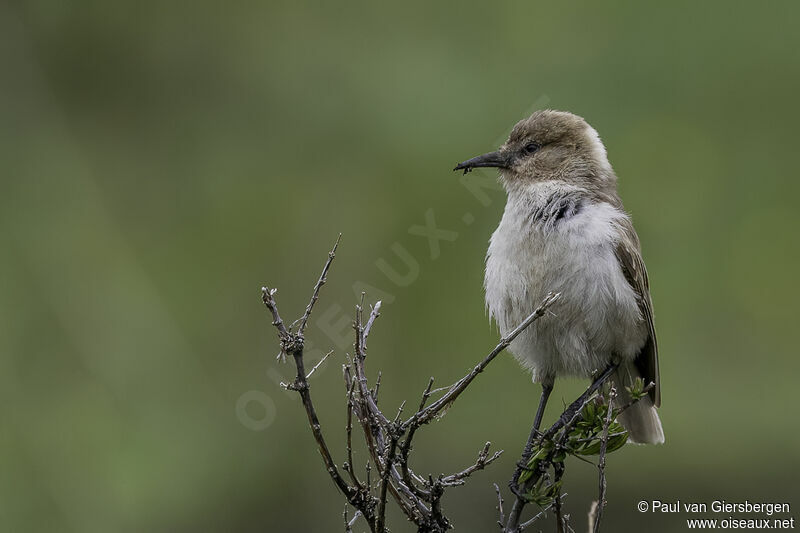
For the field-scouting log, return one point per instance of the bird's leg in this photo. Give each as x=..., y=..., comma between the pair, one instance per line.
x=566, y=416
x=547, y=388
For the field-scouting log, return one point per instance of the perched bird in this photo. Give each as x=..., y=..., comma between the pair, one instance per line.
x=564, y=230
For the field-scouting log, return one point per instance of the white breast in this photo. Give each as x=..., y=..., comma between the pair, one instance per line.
x=597, y=315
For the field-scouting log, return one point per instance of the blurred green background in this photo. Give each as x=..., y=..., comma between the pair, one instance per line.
x=162, y=161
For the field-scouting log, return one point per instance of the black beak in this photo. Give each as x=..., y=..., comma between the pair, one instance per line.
x=496, y=159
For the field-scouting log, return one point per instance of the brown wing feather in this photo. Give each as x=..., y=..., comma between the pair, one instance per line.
x=629, y=255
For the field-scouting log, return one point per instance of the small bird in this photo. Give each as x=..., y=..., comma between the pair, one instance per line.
x=564, y=230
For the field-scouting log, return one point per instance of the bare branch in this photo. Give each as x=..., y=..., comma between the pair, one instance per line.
x=481, y=463
x=348, y=465
x=301, y=386
x=557, y=510
x=358, y=364
x=399, y=412
x=292, y=345
x=318, y=364
x=387, y=470
x=374, y=314
x=502, y=520
x=348, y=523
x=377, y=386
x=268, y=297
x=432, y=410
x=425, y=395
x=320, y=282
x=378, y=430
x=601, y=465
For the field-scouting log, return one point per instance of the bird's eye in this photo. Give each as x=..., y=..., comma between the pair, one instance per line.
x=531, y=147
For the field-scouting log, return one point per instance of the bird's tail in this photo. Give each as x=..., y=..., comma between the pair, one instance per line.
x=640, y=419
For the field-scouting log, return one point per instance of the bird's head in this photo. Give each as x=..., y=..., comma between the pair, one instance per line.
x=549, y=145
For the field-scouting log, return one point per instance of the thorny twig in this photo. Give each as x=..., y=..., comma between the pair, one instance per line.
x=390, y=442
